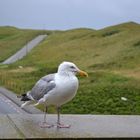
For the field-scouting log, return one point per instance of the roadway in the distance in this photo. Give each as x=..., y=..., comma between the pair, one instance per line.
x=26, y=49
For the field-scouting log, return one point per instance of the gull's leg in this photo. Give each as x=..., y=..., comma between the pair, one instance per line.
x=44, y=124
x=59, y=125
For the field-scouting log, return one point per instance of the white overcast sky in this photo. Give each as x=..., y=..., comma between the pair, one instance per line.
x=67, y=14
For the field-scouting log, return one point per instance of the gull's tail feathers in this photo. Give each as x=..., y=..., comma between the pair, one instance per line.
x=27, y=103
x=26, y=97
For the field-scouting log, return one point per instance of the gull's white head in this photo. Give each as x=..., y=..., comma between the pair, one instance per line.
x=70, y=68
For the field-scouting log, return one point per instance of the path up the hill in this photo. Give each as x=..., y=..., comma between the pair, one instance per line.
x=25, y=50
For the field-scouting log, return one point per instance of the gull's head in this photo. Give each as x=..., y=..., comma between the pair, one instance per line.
x=70, y=68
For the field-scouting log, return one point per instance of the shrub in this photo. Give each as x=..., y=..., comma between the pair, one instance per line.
x=110, y=33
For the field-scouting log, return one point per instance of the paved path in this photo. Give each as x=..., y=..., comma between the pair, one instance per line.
x=27, y=48
x=82, y=126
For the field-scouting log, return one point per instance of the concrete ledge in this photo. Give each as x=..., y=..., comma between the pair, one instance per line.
x=82, y=126
x=12, y=96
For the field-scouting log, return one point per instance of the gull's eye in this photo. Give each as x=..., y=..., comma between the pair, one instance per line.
x=72, y=67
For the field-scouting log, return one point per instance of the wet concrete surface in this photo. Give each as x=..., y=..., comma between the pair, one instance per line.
x=24, y=124
x=9, y=103
x=7, y=130
x=82, y=126
x=9, y=107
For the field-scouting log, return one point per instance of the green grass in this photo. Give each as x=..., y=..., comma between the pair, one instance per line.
x=13, y=39
x=88, y=47
x=111, y=56
x=102, y=95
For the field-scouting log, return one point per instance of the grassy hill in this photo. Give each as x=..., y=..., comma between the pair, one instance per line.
x=111, y=56
x=12, y=39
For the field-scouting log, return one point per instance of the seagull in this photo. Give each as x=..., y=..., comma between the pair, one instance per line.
x=55, y=89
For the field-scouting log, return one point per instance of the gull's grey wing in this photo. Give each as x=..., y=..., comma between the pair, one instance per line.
x=42, y=87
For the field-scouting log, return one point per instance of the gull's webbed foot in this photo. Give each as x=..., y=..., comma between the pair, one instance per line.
x=59, y=125
x=45, y=125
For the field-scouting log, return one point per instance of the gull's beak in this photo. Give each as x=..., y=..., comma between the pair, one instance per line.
x=82, y=73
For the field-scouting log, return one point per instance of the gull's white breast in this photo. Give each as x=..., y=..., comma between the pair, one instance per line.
x=65, y=90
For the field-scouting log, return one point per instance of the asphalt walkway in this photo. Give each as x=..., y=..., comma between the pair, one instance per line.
x=26, y=49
